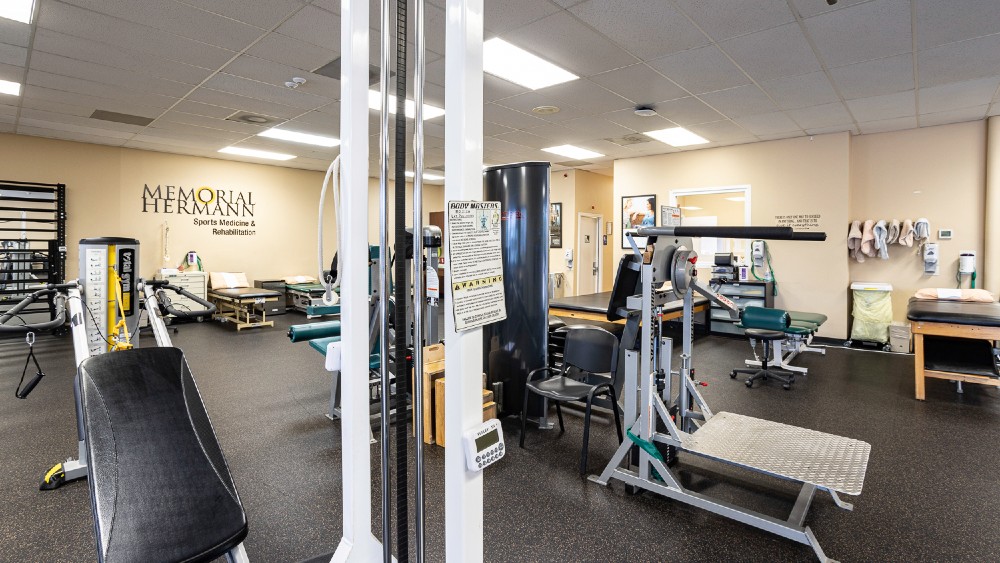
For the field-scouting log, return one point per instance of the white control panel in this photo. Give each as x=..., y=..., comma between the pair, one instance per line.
x=483, y=444
x=95, y=284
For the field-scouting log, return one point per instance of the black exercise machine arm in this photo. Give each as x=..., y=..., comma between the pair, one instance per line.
x=165, y=304
x=59, y=300
x=763, y=233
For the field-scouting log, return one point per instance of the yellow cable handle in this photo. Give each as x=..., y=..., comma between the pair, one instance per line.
x=120, y=327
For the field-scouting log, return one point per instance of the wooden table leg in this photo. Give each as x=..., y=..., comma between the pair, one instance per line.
x=918, y=365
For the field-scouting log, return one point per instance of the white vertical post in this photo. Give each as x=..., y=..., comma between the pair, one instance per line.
x=358, y=543
x=463, y=352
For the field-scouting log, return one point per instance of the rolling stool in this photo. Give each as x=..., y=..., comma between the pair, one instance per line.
x=766, y=325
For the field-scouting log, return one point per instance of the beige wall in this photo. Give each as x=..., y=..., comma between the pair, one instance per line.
x=947, y=165
x=562, y=189
x=581, y=192
x=787, y=177
x=104, y=198
x=595, y=194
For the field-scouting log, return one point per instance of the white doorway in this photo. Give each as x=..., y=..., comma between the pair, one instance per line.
x=588, y=253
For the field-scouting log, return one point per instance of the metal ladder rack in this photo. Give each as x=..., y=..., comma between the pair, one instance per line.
x=32, y=242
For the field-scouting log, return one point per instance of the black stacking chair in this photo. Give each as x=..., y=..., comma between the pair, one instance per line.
x=589, y=369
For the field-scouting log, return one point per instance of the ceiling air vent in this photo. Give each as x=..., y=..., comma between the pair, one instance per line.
x=633, y=139
x=121, y=118
x=574, y=163
x=332, y=70
x=253, y=118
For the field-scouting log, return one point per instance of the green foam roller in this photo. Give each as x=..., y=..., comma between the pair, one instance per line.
x=302, y=333
x=764, y=318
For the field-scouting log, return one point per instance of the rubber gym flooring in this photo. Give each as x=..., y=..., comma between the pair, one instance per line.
x=931, y=492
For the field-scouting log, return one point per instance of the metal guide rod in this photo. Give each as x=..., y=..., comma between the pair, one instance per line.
x=383, y=273
x=418, y=271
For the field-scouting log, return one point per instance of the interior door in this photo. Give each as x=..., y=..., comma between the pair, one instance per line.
x=588, y=269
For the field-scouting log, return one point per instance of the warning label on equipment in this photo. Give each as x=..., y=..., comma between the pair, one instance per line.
x=476, y=263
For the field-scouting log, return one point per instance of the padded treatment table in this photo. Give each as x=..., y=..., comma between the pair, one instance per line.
x=236, y=305
x=308, y=298
x=159, y=483
x=955, y=319
x=594, y=307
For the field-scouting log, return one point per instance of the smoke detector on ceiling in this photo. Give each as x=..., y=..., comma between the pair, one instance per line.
x=645, y=111
x=252, y=118
x=545, y=110
x=295, y=82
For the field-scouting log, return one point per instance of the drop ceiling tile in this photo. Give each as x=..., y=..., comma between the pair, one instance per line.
x=501, y=17
x=768, y=124
x=880, y=108
x=316, y=122
x=493, y=88
x=13, y=54
x=740, y=101
x=595, y=128
x=955, y=62
x=491, y=129
x=722, y=131
x=276, y=74
x=586, y=96
x=874, y=78
x=954, y=116
x=497, y=145
x=649, y=29
x=238, y=127
x=826, y=115
x=128, y=36
x=994, y=109
x=801, y=91
x=701, y=70
x=261, y=14
x=266, y=92
x=525, y=139
x=687, y=111
x=628, y=118
x=332, y=5
x=61, y=125
x=640, y=84
x=101, y=53
x=242, y=103
x=197, y=131
x=809, y=8
x=315, y=26
x=561, y=38
x=198, y=108
x=109, y=76
x=525, y=102
x=6, y=127
x=510, y=118
x=957, y=95
x=9, y=111
x=96, y=89
x=178, y=140
x=179, y=19
x=11, y=73
x=15, y=33
x=722, y=19
x=69, y=135
x=44, y=95
x=886, y=125
x=872, y=30
x=68, y=119
x=944, y=22
x=292, y=52
x=780, y=136
x=833, y=129
x=774, y=53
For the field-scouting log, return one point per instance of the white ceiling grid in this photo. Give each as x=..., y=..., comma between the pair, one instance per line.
x=733, y=71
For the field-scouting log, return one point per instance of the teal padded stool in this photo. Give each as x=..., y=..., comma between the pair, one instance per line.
x=768, y=326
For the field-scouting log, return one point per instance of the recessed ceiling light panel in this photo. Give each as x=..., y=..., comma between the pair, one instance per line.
x=431, y=177
x=516, y=65
x=256, y=153
x=677, y=137
x=297, y=137
x=375, y=103
x=17, y=10
x=571, y=151
x=10, y=88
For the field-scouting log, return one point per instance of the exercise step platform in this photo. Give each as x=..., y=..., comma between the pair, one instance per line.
x=827, y=461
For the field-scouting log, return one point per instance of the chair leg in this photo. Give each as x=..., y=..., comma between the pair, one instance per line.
x=524, y=416
x=586, y=435
x=614, y=407
x=562, y=429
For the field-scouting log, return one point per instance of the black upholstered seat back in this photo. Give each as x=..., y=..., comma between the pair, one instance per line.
x=591, y=349
x=160, y=486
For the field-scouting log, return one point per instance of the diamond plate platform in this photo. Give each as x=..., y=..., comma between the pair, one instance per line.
x=825, y=460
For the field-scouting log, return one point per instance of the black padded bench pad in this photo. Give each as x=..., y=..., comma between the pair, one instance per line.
x=598, y=303
x=954, y=312
x=159, y=484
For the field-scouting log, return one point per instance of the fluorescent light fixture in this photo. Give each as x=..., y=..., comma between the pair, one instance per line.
x=375, y=103
x=10, y=88
x=570, y=151
x=516, y=65
x=677, y=137
x=736, y=198
x=427, y=176
x=257, y=154
x=17, y=10
x=691, y=208
x=296, y=137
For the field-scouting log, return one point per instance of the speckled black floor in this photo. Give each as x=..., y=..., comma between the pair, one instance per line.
x=931, y=493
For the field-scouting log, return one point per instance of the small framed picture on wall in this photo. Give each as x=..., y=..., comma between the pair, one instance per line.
x=637, y=211
x=555, y=225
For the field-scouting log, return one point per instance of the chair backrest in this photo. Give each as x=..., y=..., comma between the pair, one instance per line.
x=591, y=349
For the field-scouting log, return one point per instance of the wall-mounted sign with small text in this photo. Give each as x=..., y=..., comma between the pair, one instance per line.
x=228, y=212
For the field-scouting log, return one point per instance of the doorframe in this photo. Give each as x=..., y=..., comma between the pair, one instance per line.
x=600, y=250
